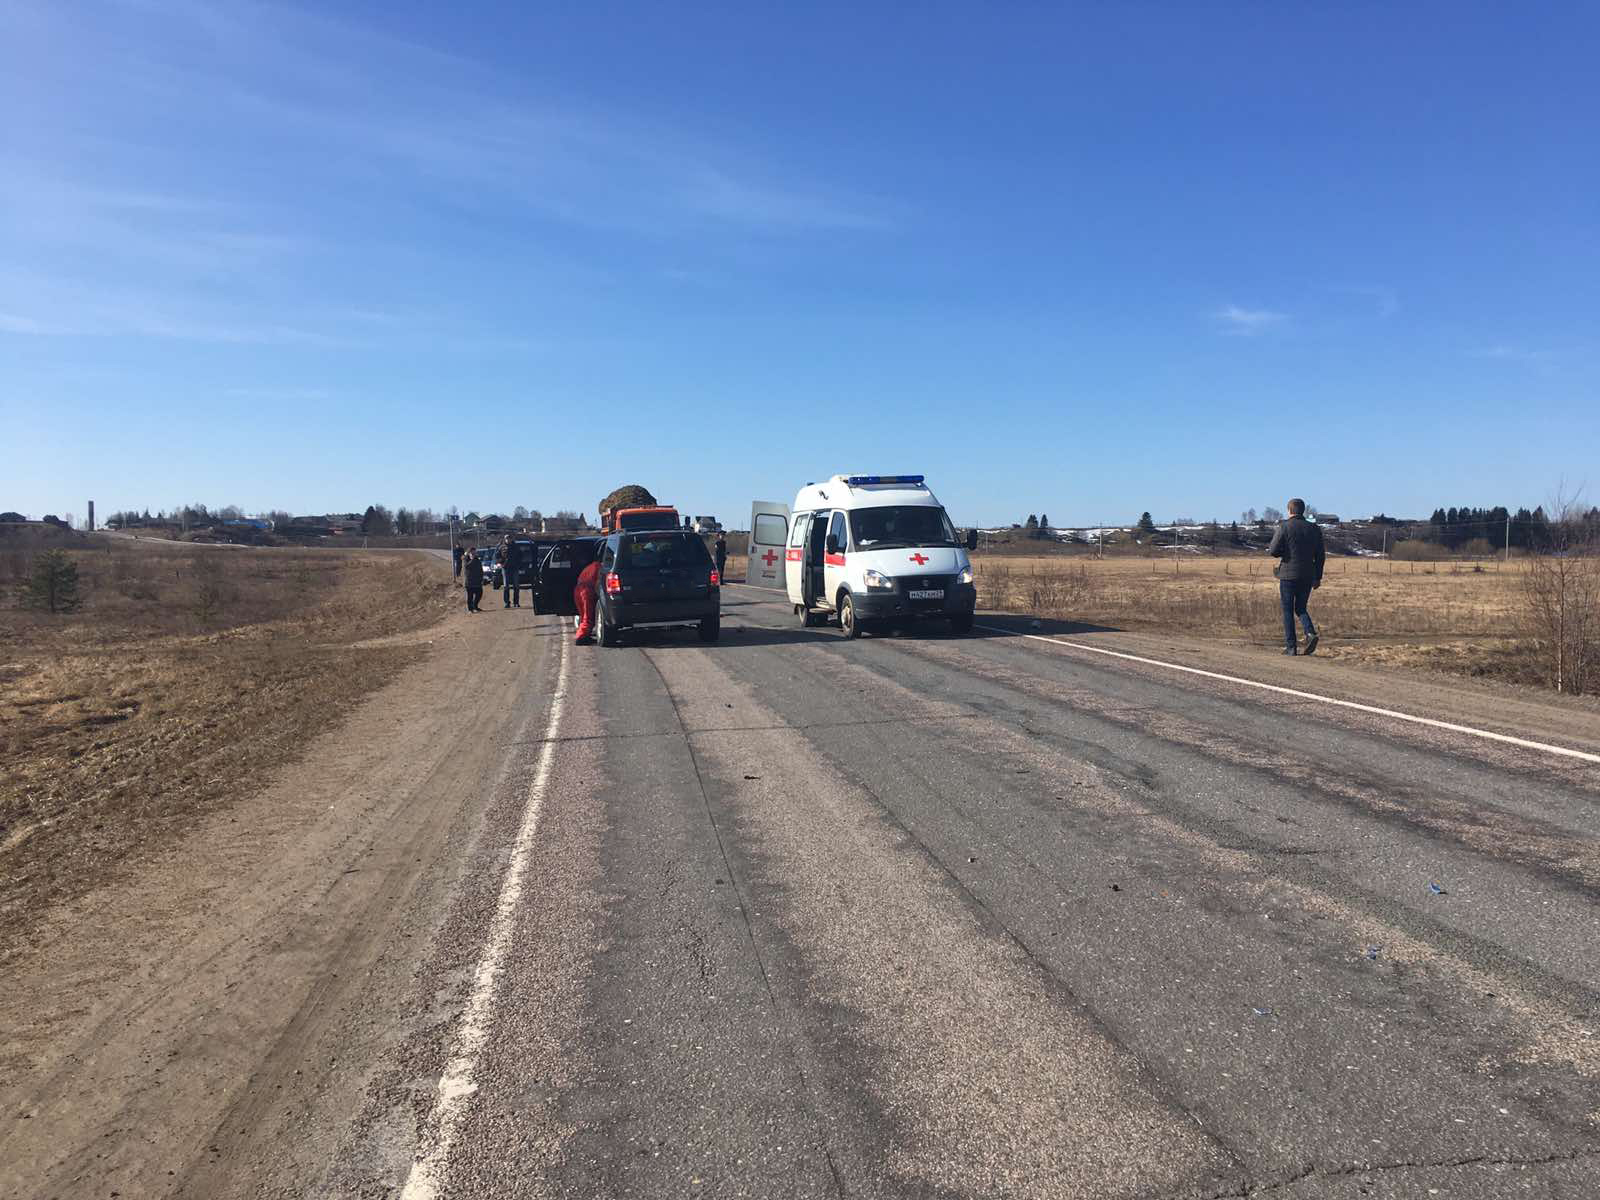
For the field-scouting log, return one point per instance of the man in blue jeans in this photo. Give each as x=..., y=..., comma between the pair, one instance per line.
x=1299, y=544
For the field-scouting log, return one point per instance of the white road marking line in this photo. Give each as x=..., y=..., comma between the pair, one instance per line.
x=1272, y=687
x=458, y=1082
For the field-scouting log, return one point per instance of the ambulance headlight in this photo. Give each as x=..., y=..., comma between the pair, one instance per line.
x=877, y=581
x=966, y=575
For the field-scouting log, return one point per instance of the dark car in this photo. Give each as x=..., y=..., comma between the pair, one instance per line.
x=648, y=577
x=529, y=554
x=658, y=577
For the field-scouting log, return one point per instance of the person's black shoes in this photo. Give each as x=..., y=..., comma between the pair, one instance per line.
x=1311, y=644
x=1290, y=650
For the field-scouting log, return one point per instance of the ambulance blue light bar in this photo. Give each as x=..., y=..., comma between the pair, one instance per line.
x=864, y=480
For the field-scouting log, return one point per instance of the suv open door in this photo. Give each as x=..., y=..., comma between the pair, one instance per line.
x=769, y=541
x=558, y=574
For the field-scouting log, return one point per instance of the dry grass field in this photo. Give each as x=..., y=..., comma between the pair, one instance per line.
x=1461, y=617
x=185, y=672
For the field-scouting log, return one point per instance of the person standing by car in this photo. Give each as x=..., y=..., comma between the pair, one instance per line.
x=455, y=553
x=473, y=566
x=511, y=565
x=585, y=594
x=720, y=553
x=1299, y=544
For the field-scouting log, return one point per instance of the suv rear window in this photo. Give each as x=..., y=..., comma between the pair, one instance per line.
x=650, y=551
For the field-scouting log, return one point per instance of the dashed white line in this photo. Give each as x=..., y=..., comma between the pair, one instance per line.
x=459, y=1080
x=1525, y=743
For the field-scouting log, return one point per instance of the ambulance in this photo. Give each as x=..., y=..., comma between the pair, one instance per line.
x=866, y=550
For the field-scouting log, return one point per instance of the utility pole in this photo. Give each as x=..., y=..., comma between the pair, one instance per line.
x=1508, y=532
x=91, y=516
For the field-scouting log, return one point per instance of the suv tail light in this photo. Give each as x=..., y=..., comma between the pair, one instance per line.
x=716, y=577
x=613, y=584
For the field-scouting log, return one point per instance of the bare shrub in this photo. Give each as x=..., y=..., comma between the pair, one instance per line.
x=1562, y=589
x=209, y=593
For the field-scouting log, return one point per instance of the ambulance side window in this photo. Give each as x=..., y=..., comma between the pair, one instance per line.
x=837, y=531
x=797, y=532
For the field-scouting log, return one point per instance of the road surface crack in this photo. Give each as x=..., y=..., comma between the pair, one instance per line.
x=744, y=913
x=1268, y=1187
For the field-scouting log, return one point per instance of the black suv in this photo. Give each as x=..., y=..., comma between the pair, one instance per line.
x=658, y=577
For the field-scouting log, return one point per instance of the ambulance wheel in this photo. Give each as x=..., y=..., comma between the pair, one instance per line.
x=610, y=635
x=848, y=625
x=961, y=623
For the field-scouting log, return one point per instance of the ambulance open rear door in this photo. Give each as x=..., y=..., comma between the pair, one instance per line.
x=769, y=539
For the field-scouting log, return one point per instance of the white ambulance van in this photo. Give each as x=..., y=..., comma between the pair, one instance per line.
x=871, y=550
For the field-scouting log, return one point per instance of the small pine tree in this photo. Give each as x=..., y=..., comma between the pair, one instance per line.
x=1032, y=525
x=53, y=586
x=1146, y=525
x=1044, y=525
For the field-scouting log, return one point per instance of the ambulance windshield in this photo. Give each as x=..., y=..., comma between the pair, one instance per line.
x=900, y=525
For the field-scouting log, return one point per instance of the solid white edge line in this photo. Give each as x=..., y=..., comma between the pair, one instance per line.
x=458, y=1082
x=1295, y=692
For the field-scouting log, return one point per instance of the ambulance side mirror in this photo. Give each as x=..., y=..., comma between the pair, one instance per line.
x=972, y=539
x=833, y=544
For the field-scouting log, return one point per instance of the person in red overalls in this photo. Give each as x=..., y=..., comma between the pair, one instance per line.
x=586, y=596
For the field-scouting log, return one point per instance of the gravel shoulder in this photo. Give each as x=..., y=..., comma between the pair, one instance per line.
x=188, y=1024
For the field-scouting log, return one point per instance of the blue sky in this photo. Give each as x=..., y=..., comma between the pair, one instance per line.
x=1085, y=260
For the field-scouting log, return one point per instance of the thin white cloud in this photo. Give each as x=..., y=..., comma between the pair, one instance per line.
x=16, y=323
x=1507, y=352
x=1247, y=322
x=280, y=395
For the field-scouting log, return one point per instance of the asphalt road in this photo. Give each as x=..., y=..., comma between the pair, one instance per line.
x=793, y=916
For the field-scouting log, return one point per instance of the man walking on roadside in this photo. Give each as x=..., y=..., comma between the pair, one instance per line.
x=1299, y=544
x=721, y=554
x=473, y=565
x=455, y=553
x=511, y=565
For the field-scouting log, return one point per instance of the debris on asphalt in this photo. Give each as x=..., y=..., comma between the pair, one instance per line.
x=1262, y=1012
x=971, y=859
x=1437, y=890
x=1116, y=887
x=1372, y=952
x=752, y=777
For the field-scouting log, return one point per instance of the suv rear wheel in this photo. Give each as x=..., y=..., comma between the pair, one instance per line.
x=610, y=635
x=710, y=629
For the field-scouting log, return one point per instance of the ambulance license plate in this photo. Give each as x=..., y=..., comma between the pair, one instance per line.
x=926, y=594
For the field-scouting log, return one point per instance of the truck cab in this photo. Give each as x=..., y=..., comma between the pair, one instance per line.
x=869, y=550
x=643, y=516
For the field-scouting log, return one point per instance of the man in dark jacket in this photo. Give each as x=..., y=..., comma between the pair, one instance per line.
x=511, y=564
x=1299, y=544
x=721, y=553
x=473, y=565
x=455, y=553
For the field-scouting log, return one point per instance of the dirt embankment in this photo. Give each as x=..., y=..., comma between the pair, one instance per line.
x=185, y=675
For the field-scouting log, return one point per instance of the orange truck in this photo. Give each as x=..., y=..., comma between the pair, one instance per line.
x=642, y=516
